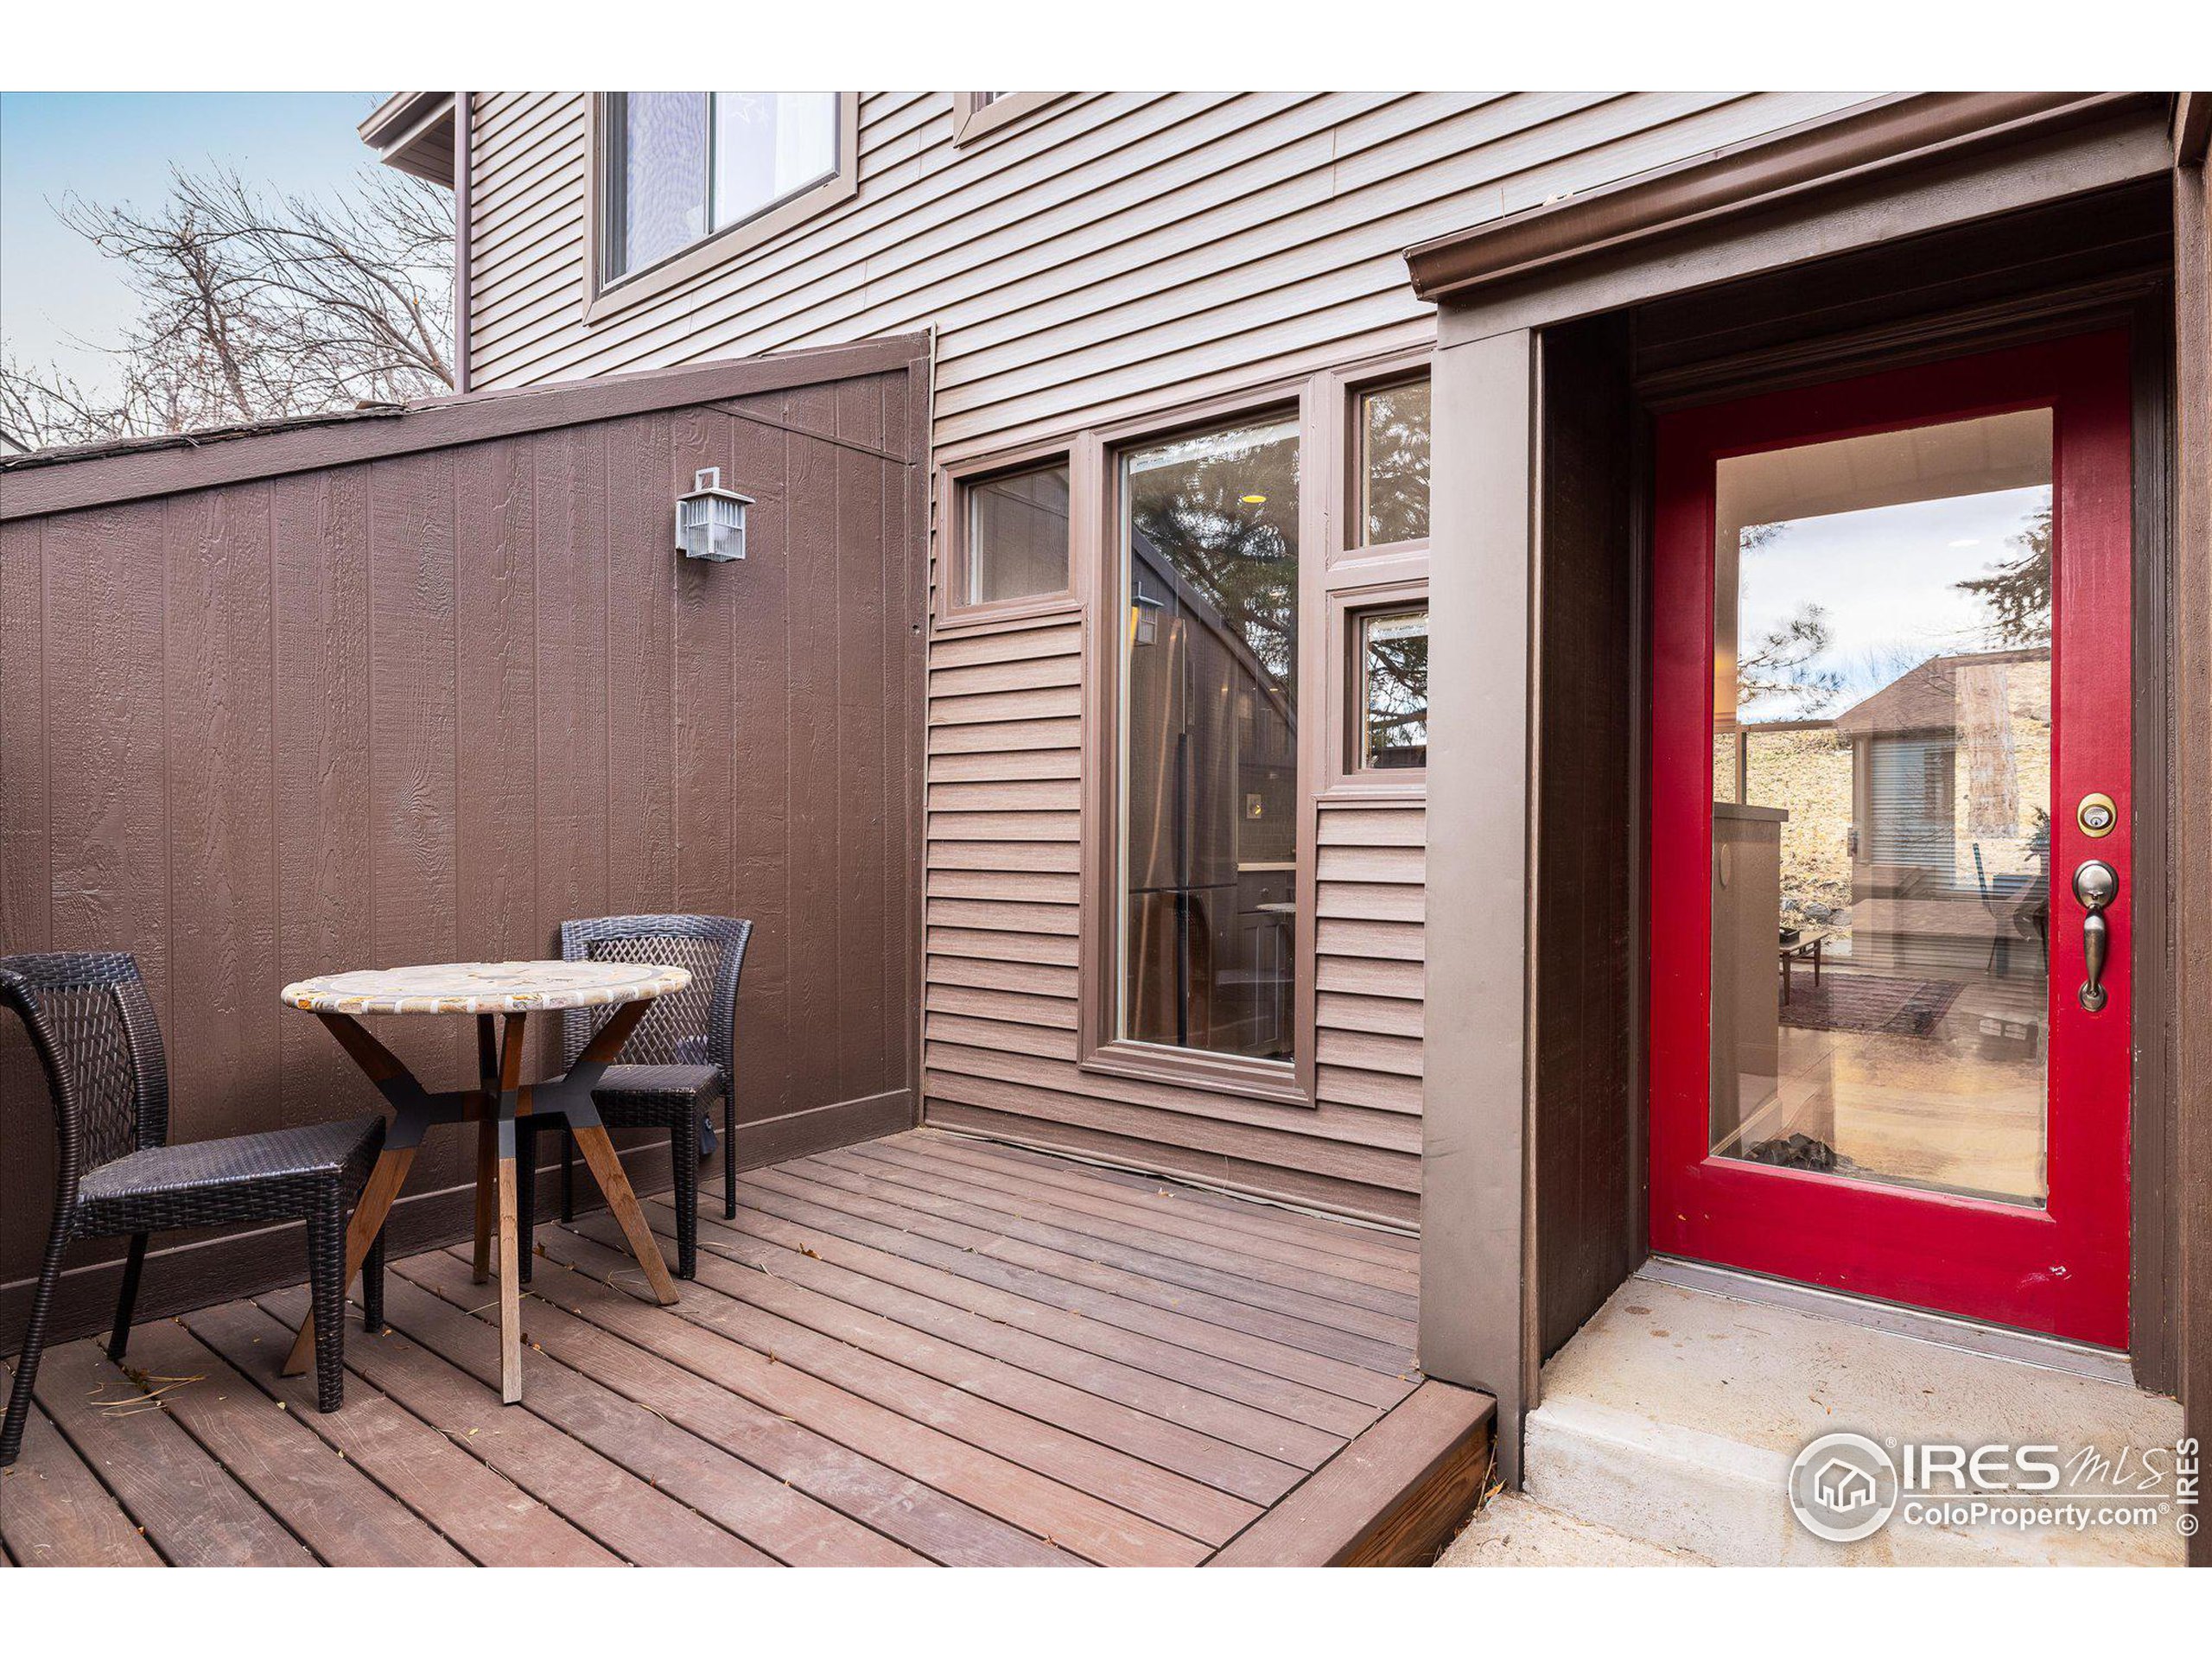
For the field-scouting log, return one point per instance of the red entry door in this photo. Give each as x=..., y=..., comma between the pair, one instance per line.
x=1890, y=832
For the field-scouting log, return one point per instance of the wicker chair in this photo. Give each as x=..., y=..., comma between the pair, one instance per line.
x=682, y=1056
x=116, y=1175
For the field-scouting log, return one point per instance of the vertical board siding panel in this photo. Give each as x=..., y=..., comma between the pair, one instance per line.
x=423, y=707
x=901, y=622
x=863, y=933
x=814, y=909
x=413, y=721
x=641, y=562
x=760, y=673
x=706, y=597
x=26, y=886
x=495, y=601
x=325, y=832
x=107, y=784
x=572, y=763
x=217, y=656
x=26, y=889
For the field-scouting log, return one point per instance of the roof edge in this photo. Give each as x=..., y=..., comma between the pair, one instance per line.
x=1899, y=132
x=34, y=486
x=413, y=132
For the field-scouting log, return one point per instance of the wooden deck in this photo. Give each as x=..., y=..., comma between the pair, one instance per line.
x=924, y=1349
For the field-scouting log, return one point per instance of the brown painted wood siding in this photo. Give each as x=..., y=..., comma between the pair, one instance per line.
x=425, y=707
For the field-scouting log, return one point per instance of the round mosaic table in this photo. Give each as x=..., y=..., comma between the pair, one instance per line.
x=501, y=996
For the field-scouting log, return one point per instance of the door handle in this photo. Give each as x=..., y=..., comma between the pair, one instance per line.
x=2096, y=884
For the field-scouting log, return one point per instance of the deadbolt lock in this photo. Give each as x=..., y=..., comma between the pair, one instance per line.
x=2097, y=816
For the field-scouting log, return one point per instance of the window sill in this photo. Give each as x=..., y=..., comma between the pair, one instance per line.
x=1273, y=1081
x=954, y=621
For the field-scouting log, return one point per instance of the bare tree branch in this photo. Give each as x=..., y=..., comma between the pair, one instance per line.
x=256, y=306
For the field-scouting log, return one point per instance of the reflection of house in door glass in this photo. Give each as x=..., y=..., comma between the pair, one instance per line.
x=1881, y=806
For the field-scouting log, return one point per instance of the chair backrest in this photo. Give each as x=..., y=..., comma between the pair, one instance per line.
x=694, y=1026
x=93, y=1026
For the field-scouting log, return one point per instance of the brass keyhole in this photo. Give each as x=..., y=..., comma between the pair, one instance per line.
x=2097, y=814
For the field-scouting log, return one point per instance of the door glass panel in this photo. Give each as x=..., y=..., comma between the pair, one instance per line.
x=1881, y=819
x=1209, y=844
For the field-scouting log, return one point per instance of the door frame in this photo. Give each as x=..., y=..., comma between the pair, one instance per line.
x=2062, y=1269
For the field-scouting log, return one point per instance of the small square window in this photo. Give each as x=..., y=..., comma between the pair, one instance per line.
x=1392, y=683
x=1016, y=538
x=1393, y=464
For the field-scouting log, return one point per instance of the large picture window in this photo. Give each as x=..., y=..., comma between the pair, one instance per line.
x=680, y=167
x=1209, y=740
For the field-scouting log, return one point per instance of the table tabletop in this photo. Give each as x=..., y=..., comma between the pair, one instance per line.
x=483, y=988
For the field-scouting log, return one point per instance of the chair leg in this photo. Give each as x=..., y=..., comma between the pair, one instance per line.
x=372, y=1284
x=567, y=1176
x=730, y=1152
x=526, y=1193
x=134, y=1264
x=684, y=1152
x=327, y=1296
x=19, y=1398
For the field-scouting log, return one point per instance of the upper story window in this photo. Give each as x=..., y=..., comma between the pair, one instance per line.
x=685, y=168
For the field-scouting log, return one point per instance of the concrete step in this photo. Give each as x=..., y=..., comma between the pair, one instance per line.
x=1673, y=1417
x=1515, y=1530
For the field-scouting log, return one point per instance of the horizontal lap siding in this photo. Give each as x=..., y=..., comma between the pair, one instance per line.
x=424, y=708
x=1095, y=257
x=1002, y=911
x=1105, y=255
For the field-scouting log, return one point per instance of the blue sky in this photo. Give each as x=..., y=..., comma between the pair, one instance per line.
x=112, y=147
x=1888, y=579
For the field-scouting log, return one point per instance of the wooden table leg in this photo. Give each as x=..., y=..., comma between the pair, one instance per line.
x=509, y=1269
x=606, y=1170
x=487, y=1145
x=377, y=1194
x=510, y=1100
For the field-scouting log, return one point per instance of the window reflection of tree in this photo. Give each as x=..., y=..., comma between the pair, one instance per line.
x=2018, y=591
x=1396, y=464
x=1397, y=680
x=1236, y=554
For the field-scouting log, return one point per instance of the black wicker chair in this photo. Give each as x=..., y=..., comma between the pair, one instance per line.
x=682, y=1056
x=116, y=1175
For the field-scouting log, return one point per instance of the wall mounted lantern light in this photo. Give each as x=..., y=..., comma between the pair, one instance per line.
x=710, y=521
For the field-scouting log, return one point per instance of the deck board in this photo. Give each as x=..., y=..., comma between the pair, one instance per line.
x=1106, y=1359
x=1049, y=1382
x=1244, y=1302
x=1265, y=1341
x=925, y=1350
x=1064, y=1434
x=193, y=1511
